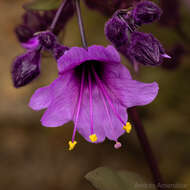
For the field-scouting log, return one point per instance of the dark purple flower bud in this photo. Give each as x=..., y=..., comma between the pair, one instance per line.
x=59, y=50
x=23, y=33
x=146, y=12
x=146, y=49
x=46, y=39
x=33, y=22
x=26, y=68
x=127, y=17
x=116, y=31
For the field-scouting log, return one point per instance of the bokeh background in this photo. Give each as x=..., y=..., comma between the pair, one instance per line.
x=35, y=157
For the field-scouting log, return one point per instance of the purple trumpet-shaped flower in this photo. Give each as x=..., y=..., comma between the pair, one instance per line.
x=93, y=90
x=146, y=49
x=26, y=68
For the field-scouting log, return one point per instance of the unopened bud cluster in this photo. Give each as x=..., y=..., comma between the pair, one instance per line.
x=138, y=47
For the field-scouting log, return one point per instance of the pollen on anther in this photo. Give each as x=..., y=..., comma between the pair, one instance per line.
x=127, y=127
x=72, y=145
x=93, y=137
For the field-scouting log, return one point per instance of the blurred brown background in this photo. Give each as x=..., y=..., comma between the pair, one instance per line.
x=35, y=157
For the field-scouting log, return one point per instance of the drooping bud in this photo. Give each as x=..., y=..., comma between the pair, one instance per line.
x=146, y=49
x=146, y=12
x=26, y=68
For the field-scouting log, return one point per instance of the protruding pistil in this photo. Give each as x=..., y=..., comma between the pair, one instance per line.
x=117, y=145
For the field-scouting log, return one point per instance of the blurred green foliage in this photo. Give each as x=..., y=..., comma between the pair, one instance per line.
x=104, y=178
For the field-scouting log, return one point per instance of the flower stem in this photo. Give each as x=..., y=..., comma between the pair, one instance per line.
x=146, y=147
x=80, y=23
x=58, y=13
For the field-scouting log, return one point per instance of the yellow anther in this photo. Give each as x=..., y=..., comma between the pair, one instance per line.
x=72, y=145
x=127, y=127
x=93, y=137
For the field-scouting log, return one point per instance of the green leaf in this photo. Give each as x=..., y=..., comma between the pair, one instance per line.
x=104, y=178
x=43, y=5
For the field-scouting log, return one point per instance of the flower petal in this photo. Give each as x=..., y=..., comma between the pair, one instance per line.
x=61, y=109
x=119, y=71
x=102, y=54
x=76, y=56
x=139, y=93
x=133, y=93
x=130, y=92
x=31, y=44
x=41, y=98
x=72, y=58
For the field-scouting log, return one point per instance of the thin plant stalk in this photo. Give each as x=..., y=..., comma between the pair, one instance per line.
x=143, y=139
x=58, y=13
